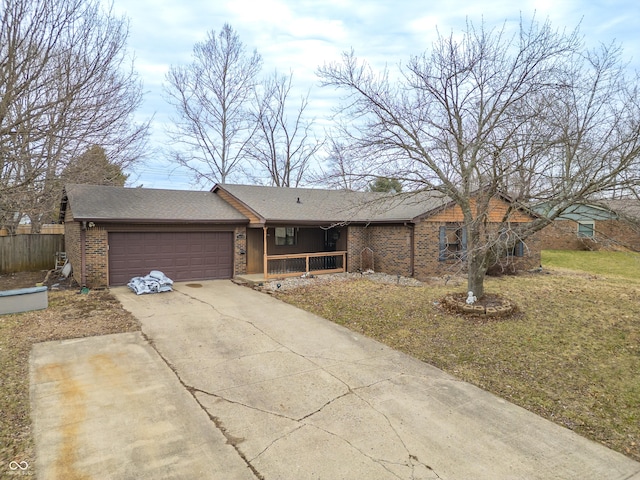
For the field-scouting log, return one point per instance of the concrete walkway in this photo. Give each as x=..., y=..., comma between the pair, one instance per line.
x=260, y=389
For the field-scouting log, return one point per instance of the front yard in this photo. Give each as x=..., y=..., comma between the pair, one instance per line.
x=571, y=354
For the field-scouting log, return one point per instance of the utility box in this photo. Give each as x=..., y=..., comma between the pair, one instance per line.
x=23, y=300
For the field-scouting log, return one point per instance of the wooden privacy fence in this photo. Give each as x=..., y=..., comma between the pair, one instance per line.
x=23, y=253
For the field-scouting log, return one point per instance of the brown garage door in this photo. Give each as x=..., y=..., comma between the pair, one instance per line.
x=179, y=255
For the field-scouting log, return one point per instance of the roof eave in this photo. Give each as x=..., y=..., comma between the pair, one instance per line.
x=336, y=222
x=160, y=220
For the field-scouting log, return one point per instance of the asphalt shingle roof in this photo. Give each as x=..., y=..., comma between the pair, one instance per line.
x=275, y=204
x=99, y=202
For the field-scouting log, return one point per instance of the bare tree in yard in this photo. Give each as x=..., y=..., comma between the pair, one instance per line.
x=530, y=113
x=212, y=127
x=283, y=145
x=65, y=85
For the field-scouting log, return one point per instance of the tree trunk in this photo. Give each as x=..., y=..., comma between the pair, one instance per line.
x=475, y=276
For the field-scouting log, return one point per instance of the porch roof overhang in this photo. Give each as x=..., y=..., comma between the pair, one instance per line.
x=325, y=224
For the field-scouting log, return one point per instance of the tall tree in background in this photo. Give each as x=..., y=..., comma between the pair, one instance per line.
x=385, y=184
x=528, y=112
x=283, y=145
x=64, y=85
x=93, y=167
x=212, y=126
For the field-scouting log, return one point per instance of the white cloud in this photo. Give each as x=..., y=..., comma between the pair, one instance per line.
x=301, y=35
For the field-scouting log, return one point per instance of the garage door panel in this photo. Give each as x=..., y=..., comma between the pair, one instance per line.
x=179, y=255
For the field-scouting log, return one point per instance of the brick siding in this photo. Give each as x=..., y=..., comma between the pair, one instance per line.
x=240, y=251
x=563, y=235
x=96, y=248
x=391, y=245
x=96, y=257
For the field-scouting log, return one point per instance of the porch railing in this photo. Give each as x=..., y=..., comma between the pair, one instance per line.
x=299, y=263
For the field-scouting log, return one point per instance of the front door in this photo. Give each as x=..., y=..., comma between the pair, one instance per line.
x=255, y=250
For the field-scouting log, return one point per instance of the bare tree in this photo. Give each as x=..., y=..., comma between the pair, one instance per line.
x=342, y=169
x=531, y=113
x=212, y=127
x=65, y=86
x=284, y=144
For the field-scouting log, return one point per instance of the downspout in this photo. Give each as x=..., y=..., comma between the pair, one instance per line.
x=264, y=252
x=83, y=263
x=412, y=244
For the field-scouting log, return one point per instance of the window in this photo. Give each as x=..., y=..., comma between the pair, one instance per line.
x=453, y=242
x=586, y=229
x=285, y=236
x=517, y=250
x=509, y=237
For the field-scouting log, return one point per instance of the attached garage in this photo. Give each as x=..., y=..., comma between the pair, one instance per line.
x=113, y=234
x=179, y=255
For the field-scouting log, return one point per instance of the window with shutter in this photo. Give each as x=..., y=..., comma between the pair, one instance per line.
x=453, y=242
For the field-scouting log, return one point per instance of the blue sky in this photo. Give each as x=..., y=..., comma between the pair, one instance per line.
x=300, y=35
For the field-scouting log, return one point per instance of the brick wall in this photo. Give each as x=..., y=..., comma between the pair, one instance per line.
x=96, y=257
x=529, y=260
x=391, y=245
x=427, y=252
x=240, y=251
x=618, y=233
x=96, y=248
x=356, y=242
x=563, y=235
x=427, y=246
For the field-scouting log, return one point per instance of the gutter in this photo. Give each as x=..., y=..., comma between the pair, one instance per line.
x=83, y=254
x=238, y=221
x=412, y=246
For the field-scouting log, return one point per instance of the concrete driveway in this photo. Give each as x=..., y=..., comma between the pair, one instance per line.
x=228, y=383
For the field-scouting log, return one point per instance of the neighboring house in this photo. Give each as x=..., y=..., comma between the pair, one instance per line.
x=114, y=233
x=609, y=224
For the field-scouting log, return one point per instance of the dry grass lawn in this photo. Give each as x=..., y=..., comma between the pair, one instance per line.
x=571, y=353
x=70, y=315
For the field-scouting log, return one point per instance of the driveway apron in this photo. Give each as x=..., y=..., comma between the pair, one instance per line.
x=298, y=397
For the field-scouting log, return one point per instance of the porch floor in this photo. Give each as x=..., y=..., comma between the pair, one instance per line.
x=251, y=279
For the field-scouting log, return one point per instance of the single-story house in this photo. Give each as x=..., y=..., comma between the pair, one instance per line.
x=113, y=234
x=613, y=223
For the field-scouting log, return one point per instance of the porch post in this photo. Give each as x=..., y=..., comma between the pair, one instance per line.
x=264, y=254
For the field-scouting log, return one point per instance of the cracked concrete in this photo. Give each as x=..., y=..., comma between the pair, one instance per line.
x=297, y=397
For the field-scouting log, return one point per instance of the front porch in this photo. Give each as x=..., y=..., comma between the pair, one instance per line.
x=279, y=252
